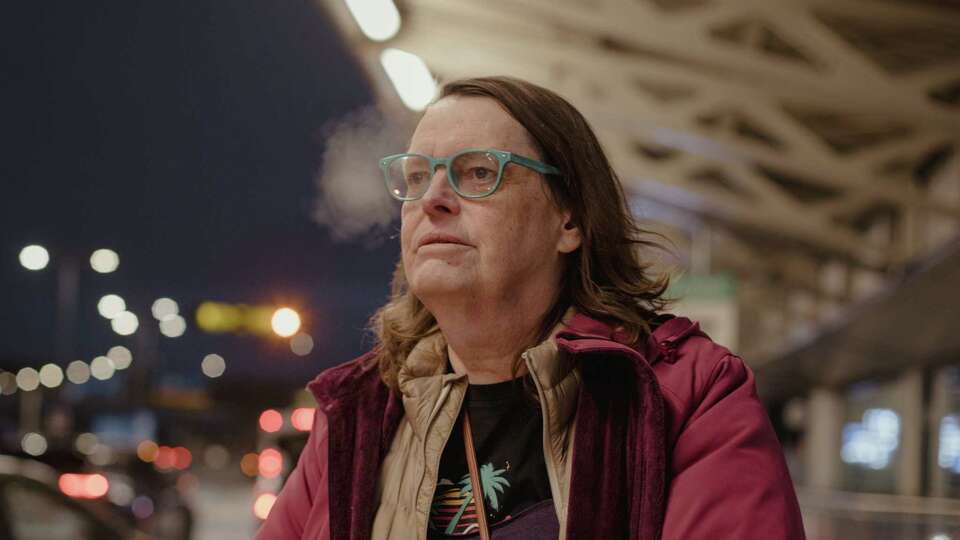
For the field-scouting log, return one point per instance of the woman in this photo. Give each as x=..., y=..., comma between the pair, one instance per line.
x=522, y=353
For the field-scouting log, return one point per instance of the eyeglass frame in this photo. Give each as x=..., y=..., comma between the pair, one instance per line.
x=503, y=158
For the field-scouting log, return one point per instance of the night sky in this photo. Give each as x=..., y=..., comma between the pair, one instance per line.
x=185, y=136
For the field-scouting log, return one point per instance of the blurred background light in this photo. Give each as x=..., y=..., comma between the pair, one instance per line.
x=147, y=451
x=111, y=305
x=410, y=77
x=285, y=322
x=142, y=507
x=84, y=486
x=78, y=372
x=34, y=444
x=8, y=383
x=379, y=20
x=51, y=375
x=270, y=463
x=213, y=365
x=216, y=456
x=102, y=455
x=163, y=308
x=301, y=344
x=28, y=379
x=86, y=443
x=872, y=441
x=104, y=261
x=34, y=257
x=121, y=493
x=182, y=458
x=263, y=505
x=302, y=418
x=102, y=368
x=166, y=458
x=271, y=420
x=249, y=464
x=173, y=326
x=121, y=356
x=125, y=323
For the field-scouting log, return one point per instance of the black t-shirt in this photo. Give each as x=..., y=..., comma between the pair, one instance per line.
x=508, y=436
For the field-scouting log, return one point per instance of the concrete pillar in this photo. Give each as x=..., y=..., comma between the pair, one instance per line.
x=825, y=415
x=939, y=407
x=910, y=402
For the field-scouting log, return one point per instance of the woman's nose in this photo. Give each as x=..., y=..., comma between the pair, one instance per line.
x=440, y=197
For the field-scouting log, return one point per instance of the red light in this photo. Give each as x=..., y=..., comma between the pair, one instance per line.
x=270, y=463
x=166, y=458
x=271, y=421
x=302, y=419
x=182, y=458
x=84, y=486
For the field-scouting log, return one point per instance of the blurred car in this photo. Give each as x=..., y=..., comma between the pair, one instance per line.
x=32, y=507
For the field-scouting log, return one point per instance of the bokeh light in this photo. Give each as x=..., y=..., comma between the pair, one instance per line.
x=173, y=326
x=84, y=486
x=110, y=306
x=125, y=323
x=410, y=77
x=142, y=507
x=121, y=357
x=285, y=322
x=34, y=257
x=187, y=484
x=270, y=463
x=102, y=455
x=271, y=420
x=263, y=505
x=302, y=418
x=86, y=443
x=166, y=458
x=249, y=464
x=34, y=444
x=216, y=456
x=121, y=493
x=51, y=375
x=28, y=379
x=8, y=383
x=147, y=451
x=301, y=344
x=104, y=261
x=78, y=372
x=213, y=365
x=102, y=368
x=379, y=20
x=182, y=458
x=163, y=308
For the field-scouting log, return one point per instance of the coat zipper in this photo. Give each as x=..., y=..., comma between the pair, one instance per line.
x=551, y=460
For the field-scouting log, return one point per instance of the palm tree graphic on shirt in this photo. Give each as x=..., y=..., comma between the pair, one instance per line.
x=492, y=483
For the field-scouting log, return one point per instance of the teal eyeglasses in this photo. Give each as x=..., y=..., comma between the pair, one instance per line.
x=473, y=173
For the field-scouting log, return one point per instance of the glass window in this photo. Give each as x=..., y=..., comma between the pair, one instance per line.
x=35, y=514
x=871, y=438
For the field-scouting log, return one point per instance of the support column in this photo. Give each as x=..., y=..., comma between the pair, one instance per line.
x=825, y=414
x=910, y=403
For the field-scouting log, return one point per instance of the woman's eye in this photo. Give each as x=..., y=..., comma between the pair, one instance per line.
x=481, y=173
x=416, y=178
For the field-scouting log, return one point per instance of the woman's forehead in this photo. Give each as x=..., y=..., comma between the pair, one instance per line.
x=457, y=122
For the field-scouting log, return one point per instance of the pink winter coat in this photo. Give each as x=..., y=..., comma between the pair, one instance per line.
x=671, y=442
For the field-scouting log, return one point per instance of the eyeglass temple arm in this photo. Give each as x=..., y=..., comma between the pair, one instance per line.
x=538, y=166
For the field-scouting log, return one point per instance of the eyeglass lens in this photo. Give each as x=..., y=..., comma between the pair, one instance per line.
x=473, y=174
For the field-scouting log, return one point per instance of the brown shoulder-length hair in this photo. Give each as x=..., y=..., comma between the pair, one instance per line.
x=605, y=278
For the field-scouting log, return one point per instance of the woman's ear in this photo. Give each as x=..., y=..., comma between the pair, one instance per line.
x=570, y=238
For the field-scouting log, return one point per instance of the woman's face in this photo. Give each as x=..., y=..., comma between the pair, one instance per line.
x=504, y=247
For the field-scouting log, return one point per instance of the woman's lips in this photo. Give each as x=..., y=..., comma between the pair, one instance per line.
x=440, y=239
